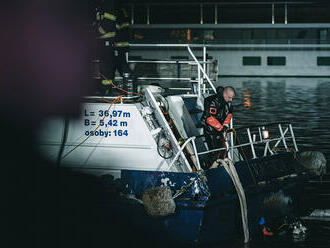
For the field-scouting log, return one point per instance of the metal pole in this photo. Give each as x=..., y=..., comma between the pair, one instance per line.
x=228, y=148
x=132, y=14
x=267, y=148
x=273, y=13
x=164, y=62
x=148, y=14
x=180, y=152
x=282, y=134
x=232, y=139
x=251, y=143
x=215, y=14
x=199, y=82
x=196, y=154
x=201, y=11
x=260, y=135
x=204, y=60
x=276, y=144
x=286, y=13
x=201, y=68
x=293, y=138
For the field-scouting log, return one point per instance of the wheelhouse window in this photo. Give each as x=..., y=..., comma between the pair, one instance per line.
x=251, y=60
x=277, y=61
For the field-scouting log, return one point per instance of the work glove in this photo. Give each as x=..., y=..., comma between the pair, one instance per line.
x=225, y=128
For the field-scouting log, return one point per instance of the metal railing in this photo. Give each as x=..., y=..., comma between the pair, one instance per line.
x=202, y=75
x=252, y=133
x=274, y=9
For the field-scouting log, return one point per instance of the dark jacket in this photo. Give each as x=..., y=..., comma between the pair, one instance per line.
x=122, y=30
x=217, y=112
x=112, y=24
x=105, y=23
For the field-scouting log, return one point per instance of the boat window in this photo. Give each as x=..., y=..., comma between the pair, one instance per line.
x=276, y=60
x=251, y=60
x=321, y=61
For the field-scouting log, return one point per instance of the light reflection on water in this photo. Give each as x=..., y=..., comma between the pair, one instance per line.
x=305, y=103
x=302, y=101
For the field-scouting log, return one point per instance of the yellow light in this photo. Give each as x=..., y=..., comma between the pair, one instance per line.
x=265, y=134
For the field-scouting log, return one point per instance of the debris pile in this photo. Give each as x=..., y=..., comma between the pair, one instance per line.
x=158, y=201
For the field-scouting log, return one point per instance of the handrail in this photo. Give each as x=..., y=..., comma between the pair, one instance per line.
x=264, y=125
x=180, y=152
x=168, y=62
x=282, y=138
x=202, y=70
x=202, y=74
x=228, y=44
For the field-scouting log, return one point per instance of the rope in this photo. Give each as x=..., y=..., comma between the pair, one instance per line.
x=231, y=170
x=111, y=103
x=121, y=89
x=118, y=99
x=245, y=157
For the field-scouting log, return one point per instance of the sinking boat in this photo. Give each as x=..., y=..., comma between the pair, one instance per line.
x=154, y=141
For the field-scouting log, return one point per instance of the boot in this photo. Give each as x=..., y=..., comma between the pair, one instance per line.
x=106, y=87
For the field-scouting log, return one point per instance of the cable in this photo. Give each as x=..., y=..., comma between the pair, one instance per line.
x=244, y=156
x=128, y=92
x=113, y=102
x=64, y=138
x=231, y=170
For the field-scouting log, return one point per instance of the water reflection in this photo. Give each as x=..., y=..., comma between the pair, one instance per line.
x=305, y=103
x=302, y=101
x=247, y=98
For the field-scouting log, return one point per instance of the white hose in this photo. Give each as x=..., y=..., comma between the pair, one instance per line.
x=231, y=170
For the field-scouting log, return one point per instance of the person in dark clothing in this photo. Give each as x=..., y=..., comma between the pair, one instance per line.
x=113, y=27
x=216, y=118
x=44, y=74
x=121, y=44
x=105, y=25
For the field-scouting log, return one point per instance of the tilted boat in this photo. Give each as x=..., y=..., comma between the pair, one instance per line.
x=152, y=145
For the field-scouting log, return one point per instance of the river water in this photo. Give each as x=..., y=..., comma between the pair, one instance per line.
x=305, y=103
x=302, y=101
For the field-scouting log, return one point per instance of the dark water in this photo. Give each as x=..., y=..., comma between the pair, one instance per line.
x=305, y=103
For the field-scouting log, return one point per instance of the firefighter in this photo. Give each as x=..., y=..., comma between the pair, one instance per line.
x=113, y=28
x=216, y=119
x=105, y=23
x=121, y=47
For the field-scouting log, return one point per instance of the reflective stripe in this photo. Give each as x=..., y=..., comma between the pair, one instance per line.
x=108, y=35
x=121, y=44
x=213, y=111
x=228, y=118
x=123, y=25
x=110, y=16
x=101, y=30
x=99, y=17
x=106, y=82
x=213, y=122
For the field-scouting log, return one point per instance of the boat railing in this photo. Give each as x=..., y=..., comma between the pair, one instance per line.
x=261, y=141
x=202, y=78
